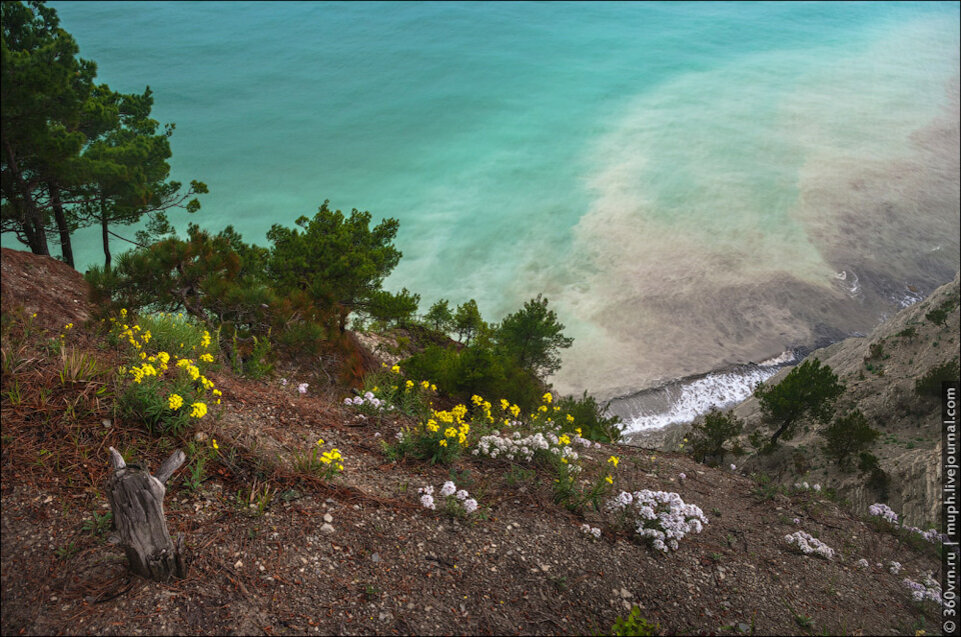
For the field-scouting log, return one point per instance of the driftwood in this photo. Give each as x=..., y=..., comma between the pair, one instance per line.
x=136, y=499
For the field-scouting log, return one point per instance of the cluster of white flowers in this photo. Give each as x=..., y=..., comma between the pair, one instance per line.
x=894, y=567
x=591, y=530
x=302, y=387
x=368, y=400
x=451, y=494
x=427, y=497
x=804, y=486
x=883, y=511
x=516, y=447
x=862, y=563
x=930, y=590
x=660, y=516
x=809, y=544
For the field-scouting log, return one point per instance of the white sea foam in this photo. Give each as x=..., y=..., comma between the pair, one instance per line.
x=684, y=400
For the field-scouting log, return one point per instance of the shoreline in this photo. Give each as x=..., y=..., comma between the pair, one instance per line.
x=658, y=417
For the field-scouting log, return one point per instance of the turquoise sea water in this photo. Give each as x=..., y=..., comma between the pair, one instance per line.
x=692, y=185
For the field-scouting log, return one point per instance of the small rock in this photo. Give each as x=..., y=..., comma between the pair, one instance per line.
x=238, y=564
x=328, y=518
x=626, y=594
x=742, y=627
x=326, y=528
x=375, y=557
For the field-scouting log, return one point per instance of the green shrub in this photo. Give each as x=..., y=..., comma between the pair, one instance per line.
x=879, y=481
x=439, y=317
x=908, y=332
x=930, y=383
x=847, y=436
x=339, y=261
x=634, y=625
x=587, y=414
x=708, y=436
x=939, y=315
x=178, y=334
x=809, y=390
x=533, y=337
x=251, y=357
x=474, y=370
x=392, y=309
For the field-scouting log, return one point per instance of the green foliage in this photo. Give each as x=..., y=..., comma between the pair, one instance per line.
x=876, y=478
x=76, y=153
x=908, y=333
x=848, y=435
x=930, y=383
x=99, y=524
x=634, y=625
x=708, y=436
x=43, y=92
x=589, y=416
x=440, y=317
x=176, y=333
x=251, y=359
x=939, y=315
x=396, y=393
x=533, y=337
x=475, y=369
x=163, y=390
x=876, y=350
x=392, y=309
x=467, y=321
x=203, y=276
x=809, y=390
x=338, y=261
x=325, y=465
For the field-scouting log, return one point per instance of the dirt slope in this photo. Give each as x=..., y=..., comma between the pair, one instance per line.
x=274, y=553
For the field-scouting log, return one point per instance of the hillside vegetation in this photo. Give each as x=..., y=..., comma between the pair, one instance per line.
x=304, y=514
x=892, y=378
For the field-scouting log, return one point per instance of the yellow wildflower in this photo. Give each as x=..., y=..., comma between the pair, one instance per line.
x=614, y=460
x=450, y=432
x=432, y=425
x=609, y=479
x=214, y=442
x=175, y=402
x=395, y=369
x=207, y=358
x=443, y=442
x=425, y=384
x=409, y=384
x=547, y=397
x=199, y=410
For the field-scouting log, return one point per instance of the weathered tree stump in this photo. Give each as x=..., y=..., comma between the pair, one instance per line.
x=136, y=499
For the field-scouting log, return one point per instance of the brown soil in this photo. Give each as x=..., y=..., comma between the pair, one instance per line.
x=384, y=564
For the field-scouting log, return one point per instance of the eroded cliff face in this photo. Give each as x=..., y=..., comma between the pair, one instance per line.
x=880, y=372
